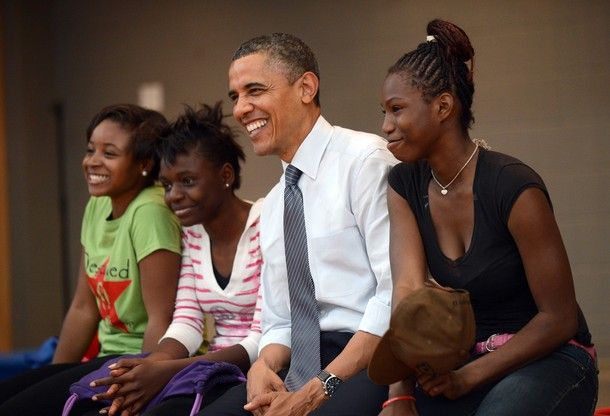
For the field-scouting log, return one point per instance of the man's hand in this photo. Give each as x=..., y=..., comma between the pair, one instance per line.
x=262, y=380
x=138, y=385
x=299, y=403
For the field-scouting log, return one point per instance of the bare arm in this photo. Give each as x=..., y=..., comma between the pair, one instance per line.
x=409, y=271
x=80, y=323
x=171, y=349
x=235, y=354
x=532, y=225
x=275, y=356
x=159, y=276
x=354, y=357
x=407, y=256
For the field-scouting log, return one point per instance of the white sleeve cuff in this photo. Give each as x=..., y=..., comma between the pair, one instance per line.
x=376, y=319
x=250, y=344
x=184, y=334
x=275, y=336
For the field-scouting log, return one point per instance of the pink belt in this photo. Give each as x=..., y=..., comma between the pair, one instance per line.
x=495, y=341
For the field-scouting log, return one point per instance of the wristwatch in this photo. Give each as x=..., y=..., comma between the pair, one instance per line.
x=330, y=382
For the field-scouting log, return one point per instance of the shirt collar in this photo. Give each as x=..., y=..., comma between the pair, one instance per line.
x=309, y=154
x=255, y=212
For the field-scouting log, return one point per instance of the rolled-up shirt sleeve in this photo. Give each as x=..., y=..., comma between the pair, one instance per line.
x=371, y=212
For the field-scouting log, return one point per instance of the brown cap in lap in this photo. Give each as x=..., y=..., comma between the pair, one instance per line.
x=431, y=332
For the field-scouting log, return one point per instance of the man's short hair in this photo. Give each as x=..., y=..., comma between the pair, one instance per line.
x=285, y=50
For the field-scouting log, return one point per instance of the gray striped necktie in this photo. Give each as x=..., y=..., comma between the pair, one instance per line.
x=304, y=313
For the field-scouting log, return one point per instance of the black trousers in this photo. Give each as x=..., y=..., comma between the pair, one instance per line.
x=357, y=396
x=45, y=390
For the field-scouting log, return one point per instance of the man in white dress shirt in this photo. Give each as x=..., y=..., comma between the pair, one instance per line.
x=273, y=82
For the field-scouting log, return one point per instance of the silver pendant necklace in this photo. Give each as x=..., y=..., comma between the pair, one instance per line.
x=444, y=190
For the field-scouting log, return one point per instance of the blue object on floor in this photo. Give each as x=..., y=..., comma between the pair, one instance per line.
x=16, y=362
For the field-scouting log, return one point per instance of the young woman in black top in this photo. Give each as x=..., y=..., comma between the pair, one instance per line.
x=482, y=221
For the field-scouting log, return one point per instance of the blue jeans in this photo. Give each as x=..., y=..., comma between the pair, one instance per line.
x=563, y=383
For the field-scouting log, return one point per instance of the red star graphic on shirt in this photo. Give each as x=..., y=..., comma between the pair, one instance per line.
x=107, y=292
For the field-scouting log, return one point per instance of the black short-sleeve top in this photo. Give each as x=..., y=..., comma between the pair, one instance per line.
x=491, y=270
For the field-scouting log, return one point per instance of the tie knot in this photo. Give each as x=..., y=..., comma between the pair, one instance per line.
x=292, y=175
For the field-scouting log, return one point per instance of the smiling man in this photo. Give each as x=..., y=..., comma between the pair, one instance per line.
x=324, y=239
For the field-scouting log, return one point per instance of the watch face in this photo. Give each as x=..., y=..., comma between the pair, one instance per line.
x=332, y=384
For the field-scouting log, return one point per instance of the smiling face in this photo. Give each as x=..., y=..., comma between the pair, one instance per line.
x=267, y=105
x=409, y=121
x=109, y=165
x=194, y=187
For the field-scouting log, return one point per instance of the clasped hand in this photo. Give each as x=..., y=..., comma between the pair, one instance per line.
x=451, y=385
x=133, y=382
x=267, y=394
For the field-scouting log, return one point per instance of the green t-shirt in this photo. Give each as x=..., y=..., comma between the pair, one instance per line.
x=112, y=250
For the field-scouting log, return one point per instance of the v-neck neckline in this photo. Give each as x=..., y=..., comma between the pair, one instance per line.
x=473, y=237
x=236, y=261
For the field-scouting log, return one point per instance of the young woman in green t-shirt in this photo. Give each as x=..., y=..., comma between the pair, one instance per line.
x=130, y=260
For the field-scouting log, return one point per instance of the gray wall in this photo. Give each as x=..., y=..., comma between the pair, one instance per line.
x=542, y=74
x=33, y=179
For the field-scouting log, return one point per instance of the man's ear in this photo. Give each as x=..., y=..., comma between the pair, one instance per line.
x=445, y=106
x=309, y=87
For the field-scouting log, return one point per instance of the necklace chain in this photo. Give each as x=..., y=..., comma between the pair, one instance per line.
x=444, y=190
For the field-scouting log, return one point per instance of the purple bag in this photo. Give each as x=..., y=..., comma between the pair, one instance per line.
x=198, y=378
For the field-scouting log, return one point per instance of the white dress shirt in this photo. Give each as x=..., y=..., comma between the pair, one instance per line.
x=346, y=217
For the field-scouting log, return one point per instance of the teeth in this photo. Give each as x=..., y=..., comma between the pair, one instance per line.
x=181, y=211
x=255, y=125
x=97, y=179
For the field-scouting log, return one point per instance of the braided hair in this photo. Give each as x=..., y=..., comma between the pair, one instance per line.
x=439, y=65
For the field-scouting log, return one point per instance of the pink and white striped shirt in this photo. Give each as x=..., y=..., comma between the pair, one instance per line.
x=236, y=309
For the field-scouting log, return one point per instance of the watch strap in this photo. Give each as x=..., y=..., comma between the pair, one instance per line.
x=324, y=375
